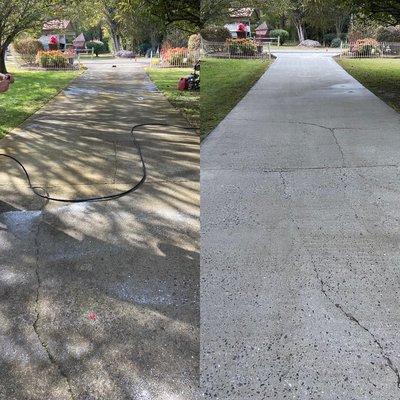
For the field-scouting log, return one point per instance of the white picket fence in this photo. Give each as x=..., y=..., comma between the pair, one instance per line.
x=370, y=50
x=175, y=58
x=62, y=61
x=233, y=49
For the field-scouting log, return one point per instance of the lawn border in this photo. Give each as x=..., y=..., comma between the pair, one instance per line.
x=337, y=58
x=196, y=129
x=203, y=138
x=51, y=99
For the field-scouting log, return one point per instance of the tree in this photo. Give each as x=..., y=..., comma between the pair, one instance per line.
x=387, y=11
x=325, y=14
x=19, y=15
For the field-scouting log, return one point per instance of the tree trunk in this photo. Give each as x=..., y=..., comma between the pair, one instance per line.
x=3, y=68
x=300, y=31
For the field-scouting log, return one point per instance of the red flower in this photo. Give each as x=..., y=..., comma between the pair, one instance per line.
x=53, y=40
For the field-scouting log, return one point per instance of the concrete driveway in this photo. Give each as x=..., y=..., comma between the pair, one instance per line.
x=301, y=240
x=100, y=300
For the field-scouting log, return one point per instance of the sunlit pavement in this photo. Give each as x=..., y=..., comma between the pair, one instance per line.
x=300, y=192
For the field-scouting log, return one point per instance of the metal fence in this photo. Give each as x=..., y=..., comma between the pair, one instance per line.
x=249, y=49
x=47, y=60
x=370, y=49
x=175, y=58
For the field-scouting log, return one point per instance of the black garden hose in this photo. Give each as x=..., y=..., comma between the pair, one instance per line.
x=98, y=198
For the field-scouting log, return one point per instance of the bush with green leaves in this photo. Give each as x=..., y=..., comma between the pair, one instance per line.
x=215, y=34
x=328, y=38
x=337, y=42
x=97, y=46
x=27, y=49
x=281, y=33
x=242, y=47
x=388, y=34
x=194, y=42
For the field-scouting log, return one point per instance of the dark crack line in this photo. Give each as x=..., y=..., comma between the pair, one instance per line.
x=35, y=325
x=115, y=162
x=331, y=130
x=353, y=319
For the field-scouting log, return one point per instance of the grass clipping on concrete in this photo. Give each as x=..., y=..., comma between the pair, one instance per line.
x=31, y=90
x=380, y=75
x=223, y=84
x=166, y=80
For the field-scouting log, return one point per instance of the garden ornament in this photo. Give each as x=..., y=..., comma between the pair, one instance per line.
x=5, y=81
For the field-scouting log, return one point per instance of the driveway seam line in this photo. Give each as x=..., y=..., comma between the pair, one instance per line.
x=35, y=325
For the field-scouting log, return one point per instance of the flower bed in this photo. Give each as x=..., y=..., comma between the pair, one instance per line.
x=55, y=59
x=242, y=47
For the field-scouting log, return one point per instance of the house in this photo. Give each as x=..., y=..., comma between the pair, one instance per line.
x=62, y=29
x=262, y=31
x=246, y=16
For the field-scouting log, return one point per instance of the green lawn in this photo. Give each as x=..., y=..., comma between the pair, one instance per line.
x=223, y=83
x=381, y=76
x=166, y=80
x=31, y=90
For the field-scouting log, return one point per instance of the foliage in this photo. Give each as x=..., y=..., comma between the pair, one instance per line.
x=388, y=34
x=215, y=33
x=366, y=47
x=281, y=33
x=386, y=11
x=52, y=59
x=97, y=46
x=194, y=42
x=175, y=55
x=328, y=38
x=27, y=48
x=242, y=47
x=362, y=28
x=336, y=42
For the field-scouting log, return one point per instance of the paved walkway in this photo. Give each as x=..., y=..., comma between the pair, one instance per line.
x=100, y=301
x=301, y=240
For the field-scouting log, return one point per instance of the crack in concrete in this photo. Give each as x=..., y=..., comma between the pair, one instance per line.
x=353, y=319
x=349, y=316
x=331, y=130
x=35, y=325
x=115, y=162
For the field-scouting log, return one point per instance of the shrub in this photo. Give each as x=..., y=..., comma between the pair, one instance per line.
x=362, y=28
x=215, y=34
x=52, y=59
x=97, y=46
x=281, y=33
x=336, y=42
x=388, y=34
x=328, y=38
x=27, y=49
x=194, y=42
x=242, y=47
x=366, y=47
x=176, y=56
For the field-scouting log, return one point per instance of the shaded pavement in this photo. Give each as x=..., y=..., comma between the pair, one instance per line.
x=300, y=194
x=100, y=300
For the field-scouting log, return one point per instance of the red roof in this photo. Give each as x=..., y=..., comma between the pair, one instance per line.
x=58, y=25
x=246, y=12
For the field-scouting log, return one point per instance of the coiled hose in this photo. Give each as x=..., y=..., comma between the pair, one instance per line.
x=97, y=198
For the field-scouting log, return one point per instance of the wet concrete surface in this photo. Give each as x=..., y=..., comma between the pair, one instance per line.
x=100, y=300
x=300, y=192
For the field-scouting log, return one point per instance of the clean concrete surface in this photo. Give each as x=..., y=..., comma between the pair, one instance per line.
x=300, y=240
x=99, y=301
